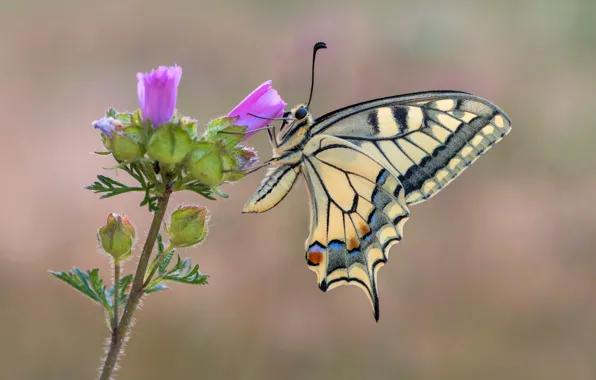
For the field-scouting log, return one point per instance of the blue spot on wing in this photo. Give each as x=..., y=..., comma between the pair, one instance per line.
x=373, y=218
x=383, y=175
x=316, y=247
x=335, y=245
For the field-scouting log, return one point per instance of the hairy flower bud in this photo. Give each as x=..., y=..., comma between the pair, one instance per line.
x=188, y=226
x=205, y=163
x=128, y=144
x=169, y=144
x=117, y=236
x=229, y=164
x=237, y=162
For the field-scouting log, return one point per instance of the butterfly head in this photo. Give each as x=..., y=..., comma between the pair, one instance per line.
x=294, y=128
x=300, y=112
x=298, y=120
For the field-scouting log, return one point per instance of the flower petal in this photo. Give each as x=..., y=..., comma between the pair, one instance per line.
x=158, y=92
x=264, y=102
x=107, y=125
x=244, y=105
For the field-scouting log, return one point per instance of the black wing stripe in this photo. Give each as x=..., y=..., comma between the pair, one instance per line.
x=332, y=117
x=400, y=116
x=263, y=196
x=401, y=175
x=462, y=98
x=377, y=187
x=381, y=212
x=331, y=200
x=415, y=176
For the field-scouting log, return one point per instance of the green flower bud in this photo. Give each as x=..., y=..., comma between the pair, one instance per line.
x=188, y=226
x=205, y=163
x=128, y=144
x=107, y=142
x=169, y=144
x=228, y=165
x=117, y=236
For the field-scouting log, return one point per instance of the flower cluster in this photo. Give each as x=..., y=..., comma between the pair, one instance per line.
x=156, y=132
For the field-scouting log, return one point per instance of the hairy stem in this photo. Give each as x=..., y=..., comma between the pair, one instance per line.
x=116, y=293
x=120, y=332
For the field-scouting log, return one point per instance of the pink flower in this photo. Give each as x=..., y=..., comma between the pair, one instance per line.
x=157, y=91
x=264, y=102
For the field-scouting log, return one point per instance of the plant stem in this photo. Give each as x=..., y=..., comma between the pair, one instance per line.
x=116, y=294
x=120, y=333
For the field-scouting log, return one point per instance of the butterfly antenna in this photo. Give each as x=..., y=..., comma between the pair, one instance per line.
x=318, y=45
x=270, y=118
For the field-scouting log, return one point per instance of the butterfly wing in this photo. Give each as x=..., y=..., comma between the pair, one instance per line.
x=424, y=139
x=277, y=184
x=358, y=211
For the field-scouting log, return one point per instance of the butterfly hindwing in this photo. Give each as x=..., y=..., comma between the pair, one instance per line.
x=358, y=211
x=426, y=139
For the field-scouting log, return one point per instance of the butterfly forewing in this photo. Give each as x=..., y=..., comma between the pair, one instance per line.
x=277, y=184
x=424, y=139
x=358, y=212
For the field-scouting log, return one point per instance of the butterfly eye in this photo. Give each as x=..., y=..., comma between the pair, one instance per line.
x=301, y=113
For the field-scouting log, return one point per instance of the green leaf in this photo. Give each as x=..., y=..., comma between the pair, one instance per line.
x=122, y=291
x=216, y=126
x=163, y=267
x=157, y=259
x=124, y=117
x=89, y=283
x=199, y=188
x=186, y=273
x=183, y=272
x=110, y=187
x=223, y=130
x=231, y=136
x=156, y=288
x=148, y=168
x=218, y=191
x=136, y=118
x=160, y=245
x=190, y=125
x=104, y=153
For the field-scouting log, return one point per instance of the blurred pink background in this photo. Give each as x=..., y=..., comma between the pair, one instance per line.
x=496, y=276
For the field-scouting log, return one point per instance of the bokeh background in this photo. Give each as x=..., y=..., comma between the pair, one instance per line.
x=496, y=277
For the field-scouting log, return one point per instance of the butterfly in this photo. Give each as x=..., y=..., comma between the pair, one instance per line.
x=365, y=165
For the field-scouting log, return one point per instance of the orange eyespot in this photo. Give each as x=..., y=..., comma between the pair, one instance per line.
x=315, y=257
